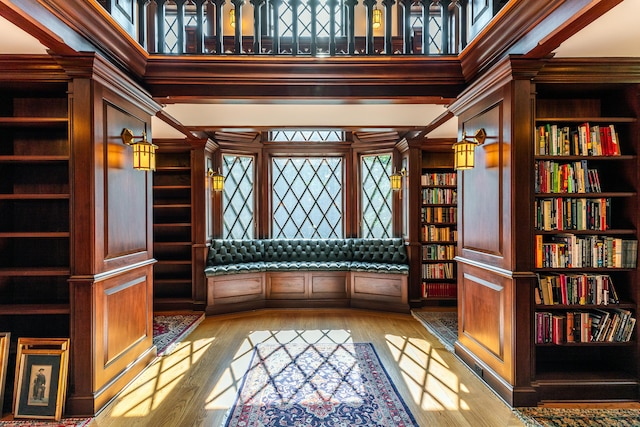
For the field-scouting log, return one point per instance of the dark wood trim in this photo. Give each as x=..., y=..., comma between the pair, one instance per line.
x=297, y=77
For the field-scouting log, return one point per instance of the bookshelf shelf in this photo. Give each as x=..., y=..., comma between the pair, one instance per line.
x=585, y=205
x=35, y=201
x=173, y=228
x=439, y=234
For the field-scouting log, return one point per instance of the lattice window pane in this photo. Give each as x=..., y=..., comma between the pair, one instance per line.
x=238, y=197
x=307, y=197
x=377, y=217
x=307, y=136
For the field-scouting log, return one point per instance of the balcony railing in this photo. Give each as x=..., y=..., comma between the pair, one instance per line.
x=303, y=27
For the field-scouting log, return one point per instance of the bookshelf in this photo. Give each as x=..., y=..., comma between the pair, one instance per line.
x=172, y=226
x=584, y=338
x=438, y=234
x=35, y=205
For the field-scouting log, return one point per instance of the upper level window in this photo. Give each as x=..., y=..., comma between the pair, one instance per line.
x=323, y=15
x=306, y=136
x=307, y=197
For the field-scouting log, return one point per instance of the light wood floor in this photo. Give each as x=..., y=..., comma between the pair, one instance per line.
x=197, y=383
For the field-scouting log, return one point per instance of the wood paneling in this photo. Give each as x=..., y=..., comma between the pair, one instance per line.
x=287, y=286
x=235, y=288
x=390, y=288
x=482, y=222
x=328, y=285
x=126, y=319
x=125, y=190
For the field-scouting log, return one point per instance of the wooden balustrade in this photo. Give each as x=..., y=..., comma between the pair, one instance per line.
x=201, y=26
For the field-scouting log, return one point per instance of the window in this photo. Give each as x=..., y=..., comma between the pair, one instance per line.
x=307, y=197
x=377, y=220
x=237, y=198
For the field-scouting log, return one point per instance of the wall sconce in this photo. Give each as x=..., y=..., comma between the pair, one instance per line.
x=232, y=18
x=377, y=17
x=396, y=179
x=217, y=180
x=144, y=152
x=464, y=150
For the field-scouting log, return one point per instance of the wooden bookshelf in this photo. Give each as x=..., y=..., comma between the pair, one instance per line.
x=172, y=226
x=438, y=233
x=35, y=205
x=578, y=230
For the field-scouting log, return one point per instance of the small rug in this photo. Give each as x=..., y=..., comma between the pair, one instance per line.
x=317, y=385
x=169, y=330
x=442, y=324
x=65, y=422
x=580, y=417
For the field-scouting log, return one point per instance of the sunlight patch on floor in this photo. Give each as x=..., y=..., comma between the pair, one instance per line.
x=158, y=381
x=432, y=385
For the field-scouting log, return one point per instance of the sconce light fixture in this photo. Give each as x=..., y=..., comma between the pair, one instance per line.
x=217, y=180
x=396, y=179
x=377, y=18
x=232, y=18
x=464, y=150
x=144, y=152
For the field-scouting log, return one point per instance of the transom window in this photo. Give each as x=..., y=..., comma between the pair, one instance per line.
x=307, y=197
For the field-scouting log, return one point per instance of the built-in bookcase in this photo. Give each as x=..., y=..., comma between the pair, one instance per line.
x=172, y=227
x=35, y=211
x=585, y=216
x=438, y=215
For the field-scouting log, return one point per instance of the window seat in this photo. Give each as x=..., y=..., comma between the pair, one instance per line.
x=353, y=272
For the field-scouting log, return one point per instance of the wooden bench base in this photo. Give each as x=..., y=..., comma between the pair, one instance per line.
x=302, y=289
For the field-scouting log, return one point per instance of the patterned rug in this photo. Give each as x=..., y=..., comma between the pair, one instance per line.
x=442, y=324
x=169, y=330
x=316, y=385
x=65, y=422
x=584, y=417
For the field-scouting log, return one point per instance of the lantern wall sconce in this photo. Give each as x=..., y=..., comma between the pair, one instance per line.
x=377, y=18
x=217, y=180
x=396, y=179
x=464, y=150
x=144, y=152
x=232, y=18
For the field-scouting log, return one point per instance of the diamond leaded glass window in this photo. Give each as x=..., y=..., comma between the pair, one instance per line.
x=307, y=197
x=376, y=196
x=238, y=197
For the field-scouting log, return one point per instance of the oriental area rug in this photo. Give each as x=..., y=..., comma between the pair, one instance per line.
x=169, y=330
x=442, y=324
x=65, y=422
x=578, y=417
x=317, y=385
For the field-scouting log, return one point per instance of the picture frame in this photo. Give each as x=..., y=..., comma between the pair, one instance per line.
x=5, y=340
x=41, y=378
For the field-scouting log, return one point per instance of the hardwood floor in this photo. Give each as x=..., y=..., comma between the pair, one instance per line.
x=197, y=383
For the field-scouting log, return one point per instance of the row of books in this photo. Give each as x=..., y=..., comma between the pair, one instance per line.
x=438, y=252
x=439, y=214
x=582, y=140
x=439, y=290
x=570, y=177
x=611, y=325
x=433, y=233
x=575, y=289
x=446, y=178
x=571, y=251
x=558, y=213
x=439, y=196
x=441, y=270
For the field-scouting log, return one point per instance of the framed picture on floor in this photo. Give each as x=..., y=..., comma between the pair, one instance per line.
x=41, y=378
x=5, y=339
